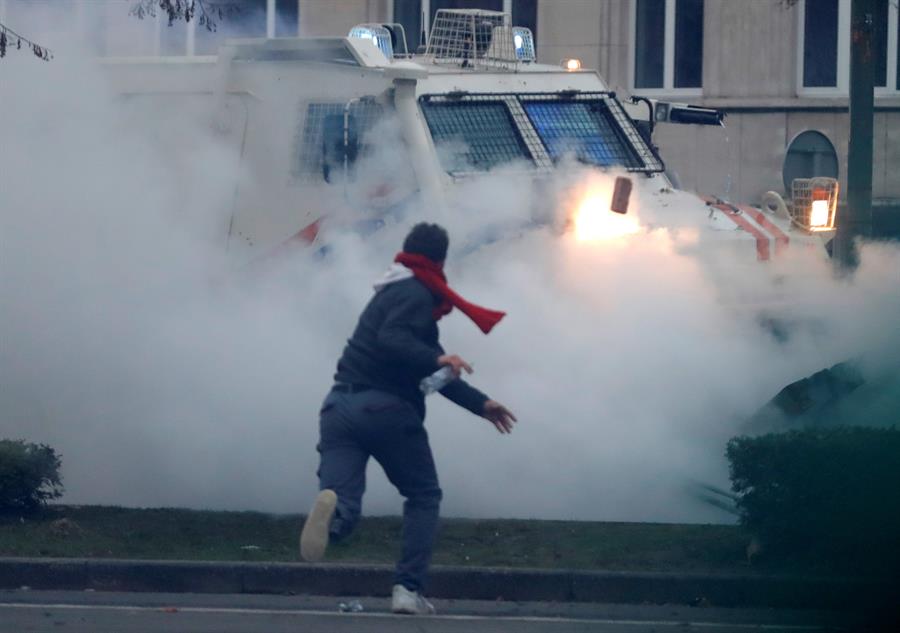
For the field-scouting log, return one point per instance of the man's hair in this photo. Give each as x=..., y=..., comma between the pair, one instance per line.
x=430, y=240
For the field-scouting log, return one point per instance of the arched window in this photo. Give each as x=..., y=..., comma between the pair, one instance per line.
x=810, y=154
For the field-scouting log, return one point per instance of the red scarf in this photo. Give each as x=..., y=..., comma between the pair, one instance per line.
x=432, y=275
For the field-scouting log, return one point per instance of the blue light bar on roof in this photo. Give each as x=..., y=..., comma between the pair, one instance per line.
x=523, y=40
x=376, y=34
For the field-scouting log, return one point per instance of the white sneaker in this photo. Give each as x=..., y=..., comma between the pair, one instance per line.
x=314, y=537
x=410, y=602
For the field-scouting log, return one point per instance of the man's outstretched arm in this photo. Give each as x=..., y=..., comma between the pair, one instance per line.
x=498, y=415
x=465, y=395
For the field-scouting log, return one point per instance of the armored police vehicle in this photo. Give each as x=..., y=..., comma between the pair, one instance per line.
x=358, y=131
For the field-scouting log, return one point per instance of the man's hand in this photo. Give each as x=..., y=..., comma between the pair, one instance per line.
x=455, y=363
x=501, y=417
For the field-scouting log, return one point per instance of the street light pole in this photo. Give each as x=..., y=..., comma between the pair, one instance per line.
x=856, y=221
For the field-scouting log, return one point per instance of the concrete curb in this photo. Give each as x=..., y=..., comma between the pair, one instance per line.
x=473, y=583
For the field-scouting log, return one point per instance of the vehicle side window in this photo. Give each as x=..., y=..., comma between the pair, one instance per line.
x=316, y=152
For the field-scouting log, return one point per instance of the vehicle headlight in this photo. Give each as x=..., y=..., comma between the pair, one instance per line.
x=818, y=216
x=814, y=203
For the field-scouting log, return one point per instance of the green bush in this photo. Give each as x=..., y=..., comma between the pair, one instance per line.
x=29, y=475
x=829, y=493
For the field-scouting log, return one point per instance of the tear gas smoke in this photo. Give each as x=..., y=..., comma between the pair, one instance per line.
x=164, y=381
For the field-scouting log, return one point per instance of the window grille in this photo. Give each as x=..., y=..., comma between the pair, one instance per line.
x=578, y=128
x=497, y=128
x=308, y=143
x=483, y=129
x=593, y=127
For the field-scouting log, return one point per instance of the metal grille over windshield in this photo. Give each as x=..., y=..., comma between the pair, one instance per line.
x=475, y=132
x=473, y=136
x=582, y=129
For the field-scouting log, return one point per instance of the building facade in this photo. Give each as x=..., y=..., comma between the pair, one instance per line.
x=779, y=69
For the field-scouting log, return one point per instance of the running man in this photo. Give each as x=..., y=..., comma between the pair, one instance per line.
x=376, y=408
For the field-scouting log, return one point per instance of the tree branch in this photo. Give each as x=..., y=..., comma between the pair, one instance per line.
x=9, y=38
x=206, y=12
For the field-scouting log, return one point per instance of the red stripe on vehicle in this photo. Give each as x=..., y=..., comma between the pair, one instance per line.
x=302, y=238
x=762, y=240
x=781, y=238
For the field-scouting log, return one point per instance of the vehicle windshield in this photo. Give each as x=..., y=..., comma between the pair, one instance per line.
x=474, y=135
x=480, y=132
x=582, y=129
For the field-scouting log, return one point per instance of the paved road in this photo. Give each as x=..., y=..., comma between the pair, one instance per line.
x=97, y=612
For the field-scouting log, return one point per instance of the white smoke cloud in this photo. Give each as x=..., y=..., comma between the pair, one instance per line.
x=164, y=380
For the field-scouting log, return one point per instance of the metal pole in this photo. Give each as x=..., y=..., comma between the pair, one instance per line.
x=270, y=19
x=856, y=222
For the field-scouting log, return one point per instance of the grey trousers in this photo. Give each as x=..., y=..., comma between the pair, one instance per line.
x=353, y=427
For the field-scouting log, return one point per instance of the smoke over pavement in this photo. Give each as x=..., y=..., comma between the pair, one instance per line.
x=164, y=380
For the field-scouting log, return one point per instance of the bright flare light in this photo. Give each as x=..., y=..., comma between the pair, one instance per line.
x=595, y=222
x=572, y=64
x=818, y=217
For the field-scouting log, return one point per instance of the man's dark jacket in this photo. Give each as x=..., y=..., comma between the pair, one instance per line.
x=395, y=345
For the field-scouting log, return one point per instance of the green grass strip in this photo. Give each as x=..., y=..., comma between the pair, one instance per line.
x=178, y=534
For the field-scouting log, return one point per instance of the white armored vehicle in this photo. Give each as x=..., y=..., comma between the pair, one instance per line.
x=338, y=129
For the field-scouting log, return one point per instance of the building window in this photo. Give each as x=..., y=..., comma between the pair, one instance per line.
x=668, y=44
x=809, y=155
x=248, y=21
x=825, y=46
x=880, y=42
x=408, y=13
x=649, y=50
x=490, y=5
x=820, y=53
x=287, y=18
x=173, y=37
x=689, y=44
x=524, y=13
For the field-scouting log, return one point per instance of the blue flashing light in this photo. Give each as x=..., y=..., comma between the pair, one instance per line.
x=376, y=34
x=523, y=40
